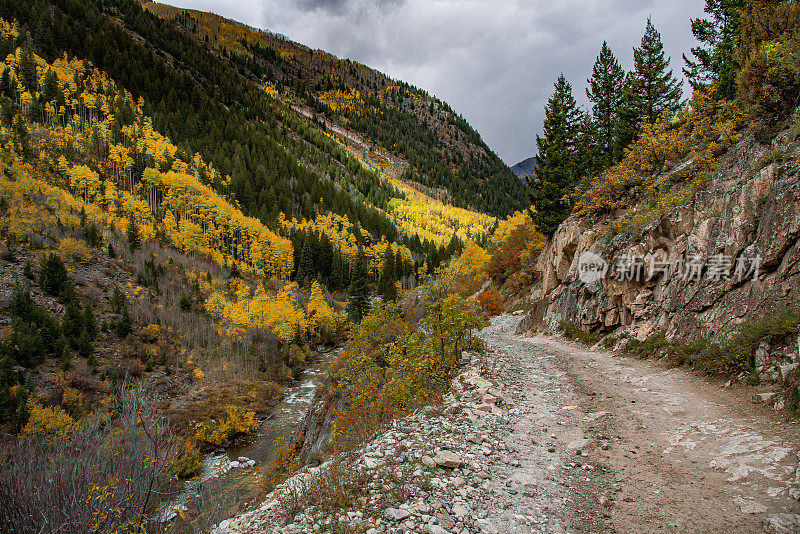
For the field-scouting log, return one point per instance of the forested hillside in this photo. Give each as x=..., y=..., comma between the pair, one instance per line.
x=279, y=161
x=439, y=146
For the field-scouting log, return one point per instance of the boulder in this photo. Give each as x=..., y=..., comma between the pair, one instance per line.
x=395, y=514
x=448, y=459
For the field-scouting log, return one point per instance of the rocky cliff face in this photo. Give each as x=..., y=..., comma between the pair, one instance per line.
x=728, y=256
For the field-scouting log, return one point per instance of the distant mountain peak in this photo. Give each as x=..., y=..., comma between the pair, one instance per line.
x=526, y=167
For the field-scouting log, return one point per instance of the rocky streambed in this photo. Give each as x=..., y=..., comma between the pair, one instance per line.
x=230, y=481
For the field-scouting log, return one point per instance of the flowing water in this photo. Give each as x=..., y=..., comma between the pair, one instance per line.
x=223, y=488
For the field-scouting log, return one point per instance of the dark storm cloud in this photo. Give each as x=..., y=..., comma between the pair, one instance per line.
x=494, y=61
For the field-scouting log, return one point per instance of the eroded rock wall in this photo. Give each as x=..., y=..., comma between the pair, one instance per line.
x=750, y=211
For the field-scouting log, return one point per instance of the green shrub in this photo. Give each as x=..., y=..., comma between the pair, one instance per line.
x=737, y=354
x=53, y=277
x=573, y=331
x=655, y=345
x=185, y=302
x=769, y=80
x=728, y=357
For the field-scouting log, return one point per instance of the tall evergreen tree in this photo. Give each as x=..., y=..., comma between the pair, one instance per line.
x=358, y=299
x=338, y=277
x=72, y=324
x=134, y=236
x=27, y=68
x=305, y=268
x=589, y=155
x=388, y=287
x=399, y=269
x=605, y=93
x=715, y=58
x=557, y=160
x=649, y=88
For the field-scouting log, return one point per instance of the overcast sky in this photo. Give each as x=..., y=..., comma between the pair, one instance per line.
x=493, y=61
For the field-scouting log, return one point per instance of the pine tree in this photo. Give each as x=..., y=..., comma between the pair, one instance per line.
x=134, y=237
x=234, y=273
x=85, y=345
x=557, y=161
x=117, y=300
x=89, y=323
x=53, y=277
x=23, y=413
x=715, y=59
x=338, y=281
x=64, y=352
x=72, y=324
x=605, y=92
x=325, y=258
x=27, y=68
x=649, y=88
x=399, y=270
x=358, y=295
x=589, y=160
x=305, y=268
x=124, y=324
x=388, y=287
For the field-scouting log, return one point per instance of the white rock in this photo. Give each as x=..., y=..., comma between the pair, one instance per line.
x=370, y=463
x=395, y=514
x=749, y=507
x=460, y=511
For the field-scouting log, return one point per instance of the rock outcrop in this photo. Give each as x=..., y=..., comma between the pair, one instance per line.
x=726, y=257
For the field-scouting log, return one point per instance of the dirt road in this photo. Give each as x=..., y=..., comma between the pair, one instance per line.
x=631, y=446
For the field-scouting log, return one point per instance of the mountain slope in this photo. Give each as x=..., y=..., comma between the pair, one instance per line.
x=285, y=160
x=439, y=146
x=525, y=167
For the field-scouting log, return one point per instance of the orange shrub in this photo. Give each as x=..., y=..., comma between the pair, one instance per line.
x=492, y=302
x=284, y=462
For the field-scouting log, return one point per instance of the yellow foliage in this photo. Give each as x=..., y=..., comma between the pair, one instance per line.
x=235, y=422
x=515, y=247
x=150, y=333
x=431, y=219
x=73, y=399
x=469, y=271
x=349, y=101
x=47, y=421
x=711, y=125
x=189, y=463
x=75, y=250
x=394, y=363
x=194, y=217
x=321, y=317
x=198, y=374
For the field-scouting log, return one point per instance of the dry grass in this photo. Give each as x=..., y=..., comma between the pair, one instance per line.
x=334, y=487
x=101, y=477
x=212, y=400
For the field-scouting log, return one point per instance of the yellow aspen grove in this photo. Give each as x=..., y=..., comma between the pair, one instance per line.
x=195, y=218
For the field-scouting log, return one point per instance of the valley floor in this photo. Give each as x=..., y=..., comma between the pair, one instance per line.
x=582, y=441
